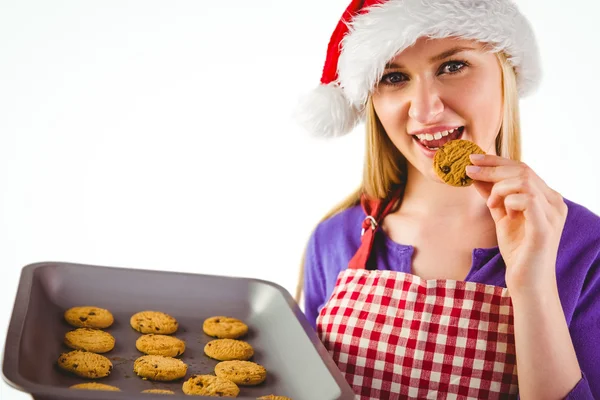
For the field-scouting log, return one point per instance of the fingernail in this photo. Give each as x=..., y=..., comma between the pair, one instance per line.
x=475, y=157
x=473, y=169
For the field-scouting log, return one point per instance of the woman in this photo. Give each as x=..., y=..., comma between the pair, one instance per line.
x=420, y=289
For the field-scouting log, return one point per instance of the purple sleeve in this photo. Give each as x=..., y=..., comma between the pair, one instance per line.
x=314, y=282
x=585, y=333
x=581, y=391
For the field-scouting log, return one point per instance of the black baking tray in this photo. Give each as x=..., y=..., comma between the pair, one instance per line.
x=298, y=364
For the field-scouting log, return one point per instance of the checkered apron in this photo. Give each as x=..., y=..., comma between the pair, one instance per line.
x=397, y=336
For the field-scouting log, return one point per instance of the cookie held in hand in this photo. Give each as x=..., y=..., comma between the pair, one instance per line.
x=451, y=160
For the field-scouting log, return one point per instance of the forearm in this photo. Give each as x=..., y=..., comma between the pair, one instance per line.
x=546, y=360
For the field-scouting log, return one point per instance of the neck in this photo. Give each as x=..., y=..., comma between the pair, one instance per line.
x=424, y=197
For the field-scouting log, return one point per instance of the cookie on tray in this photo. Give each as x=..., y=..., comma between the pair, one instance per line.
x=159, y=368
x=95, y=386
x=451, y=160
x=228, y=350
x=209, y=385
x=156, y=322
x=89, y=317
x=160, y=345
x=158, y=391
x=245, y=373
x=85, y=364
x=93, y=340
x=273, y=397
x=224, y=327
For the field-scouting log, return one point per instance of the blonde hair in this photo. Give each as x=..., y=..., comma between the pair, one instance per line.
x=383, y=168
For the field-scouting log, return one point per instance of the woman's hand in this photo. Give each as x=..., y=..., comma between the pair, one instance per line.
x=529, y=219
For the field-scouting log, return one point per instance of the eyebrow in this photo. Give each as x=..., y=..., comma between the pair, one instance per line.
x=439, y=57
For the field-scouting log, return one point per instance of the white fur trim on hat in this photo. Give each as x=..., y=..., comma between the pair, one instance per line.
x=388, y=28
x=326, y=112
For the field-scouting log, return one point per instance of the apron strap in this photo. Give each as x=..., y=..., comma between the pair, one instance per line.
x=376, y=210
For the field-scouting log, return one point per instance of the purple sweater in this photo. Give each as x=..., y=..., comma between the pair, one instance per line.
x=334, y=242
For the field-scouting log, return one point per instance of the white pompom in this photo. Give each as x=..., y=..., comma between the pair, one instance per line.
x=325, y=112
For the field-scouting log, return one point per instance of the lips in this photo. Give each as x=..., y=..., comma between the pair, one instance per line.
x=437, y=143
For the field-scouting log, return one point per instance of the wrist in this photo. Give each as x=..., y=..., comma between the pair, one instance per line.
x=525, y=280
x=539, y=294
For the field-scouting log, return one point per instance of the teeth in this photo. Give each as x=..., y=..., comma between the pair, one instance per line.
x=436, y=136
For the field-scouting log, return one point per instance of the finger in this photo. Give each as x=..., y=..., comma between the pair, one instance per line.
x=498, y=212
x=556, y=199
x=528, y=182
x=521, y=169
x=493, y=174
x=505, y=188
x=527, y=204
x=515, y=205
x=529, y=179
x=484, y=189
x=508, y=186
x=489, y=160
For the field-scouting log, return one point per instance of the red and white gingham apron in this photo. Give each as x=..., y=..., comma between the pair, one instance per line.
x=397, y=336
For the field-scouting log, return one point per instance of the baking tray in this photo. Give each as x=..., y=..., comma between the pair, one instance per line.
x=298, y=364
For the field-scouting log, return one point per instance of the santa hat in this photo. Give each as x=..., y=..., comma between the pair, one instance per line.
x=372, y=32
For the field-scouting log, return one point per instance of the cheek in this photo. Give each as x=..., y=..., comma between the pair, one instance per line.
x=481, y=103
x=391, y=112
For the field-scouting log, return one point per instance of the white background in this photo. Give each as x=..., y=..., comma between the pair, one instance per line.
x=158, y=134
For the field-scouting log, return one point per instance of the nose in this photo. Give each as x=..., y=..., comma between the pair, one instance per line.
x=425, y=102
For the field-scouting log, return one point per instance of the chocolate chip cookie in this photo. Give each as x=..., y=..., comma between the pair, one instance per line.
x=451, y=160
x=209, y=385
x=159, y=368
x=158, y=391
x=85, y=364
x=228, y=350
x=93, y=340
x=245, y=373
x=89, y=317
x=224, y=327
x=95, y=386
x=154, y=322
x=160, y=345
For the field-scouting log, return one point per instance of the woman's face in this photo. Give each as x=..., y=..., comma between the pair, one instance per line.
x=436, y=91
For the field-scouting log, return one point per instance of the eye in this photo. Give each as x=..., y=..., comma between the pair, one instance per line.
x=393, y=78
x=452, y=67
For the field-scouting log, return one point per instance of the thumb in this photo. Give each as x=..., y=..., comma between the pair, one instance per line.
x=485, y=189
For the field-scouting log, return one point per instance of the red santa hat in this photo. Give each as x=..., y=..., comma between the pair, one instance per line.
x=372, y=32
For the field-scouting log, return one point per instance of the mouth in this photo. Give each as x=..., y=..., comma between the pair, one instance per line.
x=433, y=142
